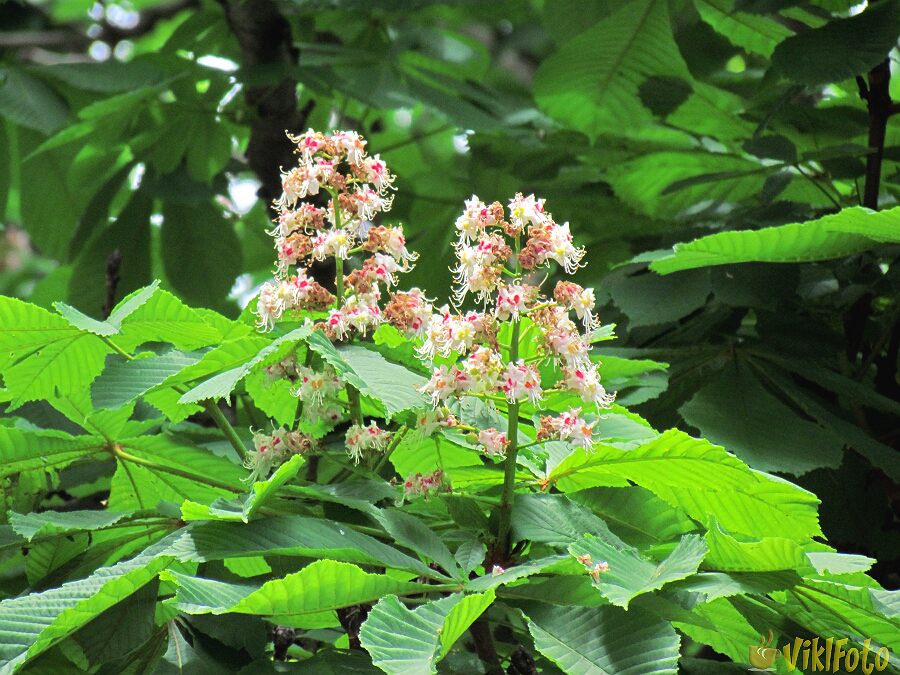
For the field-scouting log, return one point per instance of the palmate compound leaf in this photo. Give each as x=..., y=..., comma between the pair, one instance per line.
x=402, y=641
x=671, y=466
x=831, y=236
x=395, y=387
x=196, y=474
x=630, y=574
x=605, y=640
x=31, y=624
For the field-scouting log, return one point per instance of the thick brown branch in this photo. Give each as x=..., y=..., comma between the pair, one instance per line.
x=265, y=39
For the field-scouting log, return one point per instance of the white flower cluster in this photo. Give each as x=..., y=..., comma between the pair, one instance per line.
x=495, y=271
x=353, y=188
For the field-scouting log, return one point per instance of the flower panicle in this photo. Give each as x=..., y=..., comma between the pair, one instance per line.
x=328, y=202
x=499, y=251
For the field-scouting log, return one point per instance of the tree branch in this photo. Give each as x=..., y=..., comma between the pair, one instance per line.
x=876, y=93
x=264, y=36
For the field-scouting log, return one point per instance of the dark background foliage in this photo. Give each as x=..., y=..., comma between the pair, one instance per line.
x=133, y=137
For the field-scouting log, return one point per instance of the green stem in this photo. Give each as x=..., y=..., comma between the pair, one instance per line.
x=338, y=261
x=355, y=406
x=119, y=453
x=512, y=451
x=339, y=282
x=395, y=441
x=219, y=418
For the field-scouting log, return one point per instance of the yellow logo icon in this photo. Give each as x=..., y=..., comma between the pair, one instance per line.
x=762, y=656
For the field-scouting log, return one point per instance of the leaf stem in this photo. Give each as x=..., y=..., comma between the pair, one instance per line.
x=395, y=441
x=512, y=451
x=212, y=407
x=119, y=453
x=355, y=406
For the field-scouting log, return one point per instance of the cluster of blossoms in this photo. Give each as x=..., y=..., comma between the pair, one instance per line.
x=271, y=450
x=567, y=426
x=360, y=439
x=326, y=208
x=423, y=485
x=595, y=569
x=498, y=251
x=343, y=189
x=318, y=389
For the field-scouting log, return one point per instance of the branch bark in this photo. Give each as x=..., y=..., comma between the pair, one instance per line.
x=264, y=36
x=877, y=95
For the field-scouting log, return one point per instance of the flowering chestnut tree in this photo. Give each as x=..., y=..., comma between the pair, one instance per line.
x=392, y=484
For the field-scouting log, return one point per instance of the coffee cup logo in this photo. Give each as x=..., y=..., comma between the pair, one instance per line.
x=762, y=656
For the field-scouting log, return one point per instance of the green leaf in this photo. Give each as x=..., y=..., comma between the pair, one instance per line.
x=321, y=586
x=636, y=514
x=137, y=487
x=123, y=381
x=827, y=562
x=744, y=501
x=409, y=531
x=26, y=450
x=648, y=300
x=292, y=536
x=737, y=412
x=130, y=304
x=769, y=554
x=820, y=239
x=591, y=83
x=31, y=624
x=407, y=642
x=605, y=641
x=883, y=226
x=106, y=77
x=222, y=384
x=703, y=177
x=198, y=244
x=850, y=611
x=756, y=33
x=31, y=525
x=265, y=490
x=26, y=100
x=395, y=387
x=555, y=519
x=83, y=321
x=164, y=318
x=842, y=48
x=26, y=328
x=64, y=367
x=712, y=585
x=630, y=574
